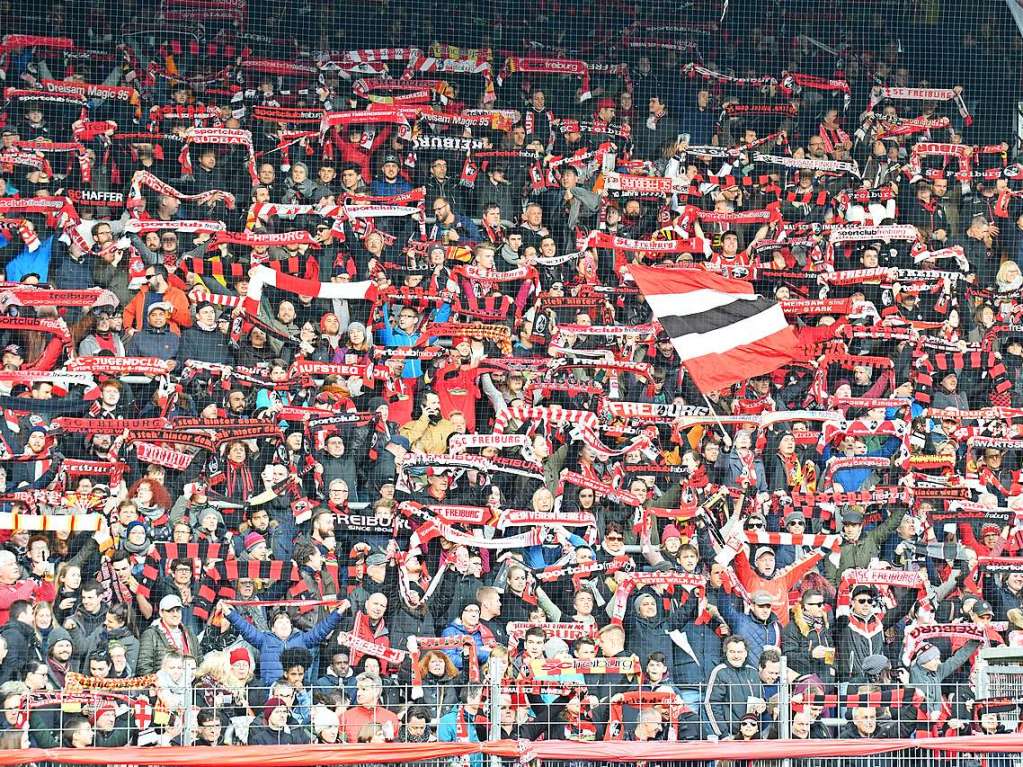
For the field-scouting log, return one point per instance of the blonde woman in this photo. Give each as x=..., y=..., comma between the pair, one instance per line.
x=217, y=687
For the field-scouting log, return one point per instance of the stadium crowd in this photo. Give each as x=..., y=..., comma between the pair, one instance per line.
x=330, y=404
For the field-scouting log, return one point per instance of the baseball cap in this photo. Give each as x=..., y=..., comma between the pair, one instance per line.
x=170, y=602
x=401, y=441
x=162, y=305
x=863, y=589
x=761, y=598
x=14, y=349
x=390, y=157
x=761, y=551
x=983, y=608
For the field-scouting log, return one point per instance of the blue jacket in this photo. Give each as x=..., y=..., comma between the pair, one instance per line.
x=455, y=629
x=852, y=479
x=32, y=262
x=270, y=646
x=758, y=635
x=69, y=274
x=381, y=187
x=536, y=557
x=396, y=337
x=447, y=732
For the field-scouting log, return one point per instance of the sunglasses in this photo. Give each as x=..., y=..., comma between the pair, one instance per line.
x=797, y=524
x=864, y=601
x=815, y=604
x=755, y=526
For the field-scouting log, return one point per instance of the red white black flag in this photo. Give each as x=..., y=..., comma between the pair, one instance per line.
x=723, y=332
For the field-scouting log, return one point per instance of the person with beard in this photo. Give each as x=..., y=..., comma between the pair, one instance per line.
x=39, y=464
x=99, y=336
x=58, y=659
x=439, y=184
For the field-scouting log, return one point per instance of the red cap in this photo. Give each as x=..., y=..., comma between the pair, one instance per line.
x=239, y=654
x=606, y=104
x=101, y=708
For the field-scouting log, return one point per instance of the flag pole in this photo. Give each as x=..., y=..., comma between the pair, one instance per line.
x=717, y=419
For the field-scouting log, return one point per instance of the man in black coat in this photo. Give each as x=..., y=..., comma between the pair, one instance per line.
x=18, y=632
x=204, y=341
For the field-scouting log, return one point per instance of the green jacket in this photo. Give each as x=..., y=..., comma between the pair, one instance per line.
x=858, y=555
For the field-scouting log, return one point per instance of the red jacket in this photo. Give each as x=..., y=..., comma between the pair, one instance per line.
x=26, y=589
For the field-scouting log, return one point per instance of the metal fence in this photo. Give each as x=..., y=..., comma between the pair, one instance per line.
x=520, y=704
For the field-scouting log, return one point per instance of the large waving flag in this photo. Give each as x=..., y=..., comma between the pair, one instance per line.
x=723, y=332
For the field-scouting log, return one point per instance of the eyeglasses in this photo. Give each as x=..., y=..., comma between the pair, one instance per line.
x=815, y=604
x=613, y=538
x=864, y=601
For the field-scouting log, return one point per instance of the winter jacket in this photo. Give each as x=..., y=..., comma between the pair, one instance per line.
x=181, y=316
x=205, y=346
x=733, y=467
x=860, y=554
x=798, y=642
x=271, y=646
x=779, y=585
x=161, y=343
x=929, y=682
x=153, y=646
x=728, y=692
x=758, y=634
x=22, y=646
x=262, y=735
x=481, y=637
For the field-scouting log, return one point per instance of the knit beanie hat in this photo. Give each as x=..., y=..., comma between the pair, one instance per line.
x=270, y=705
